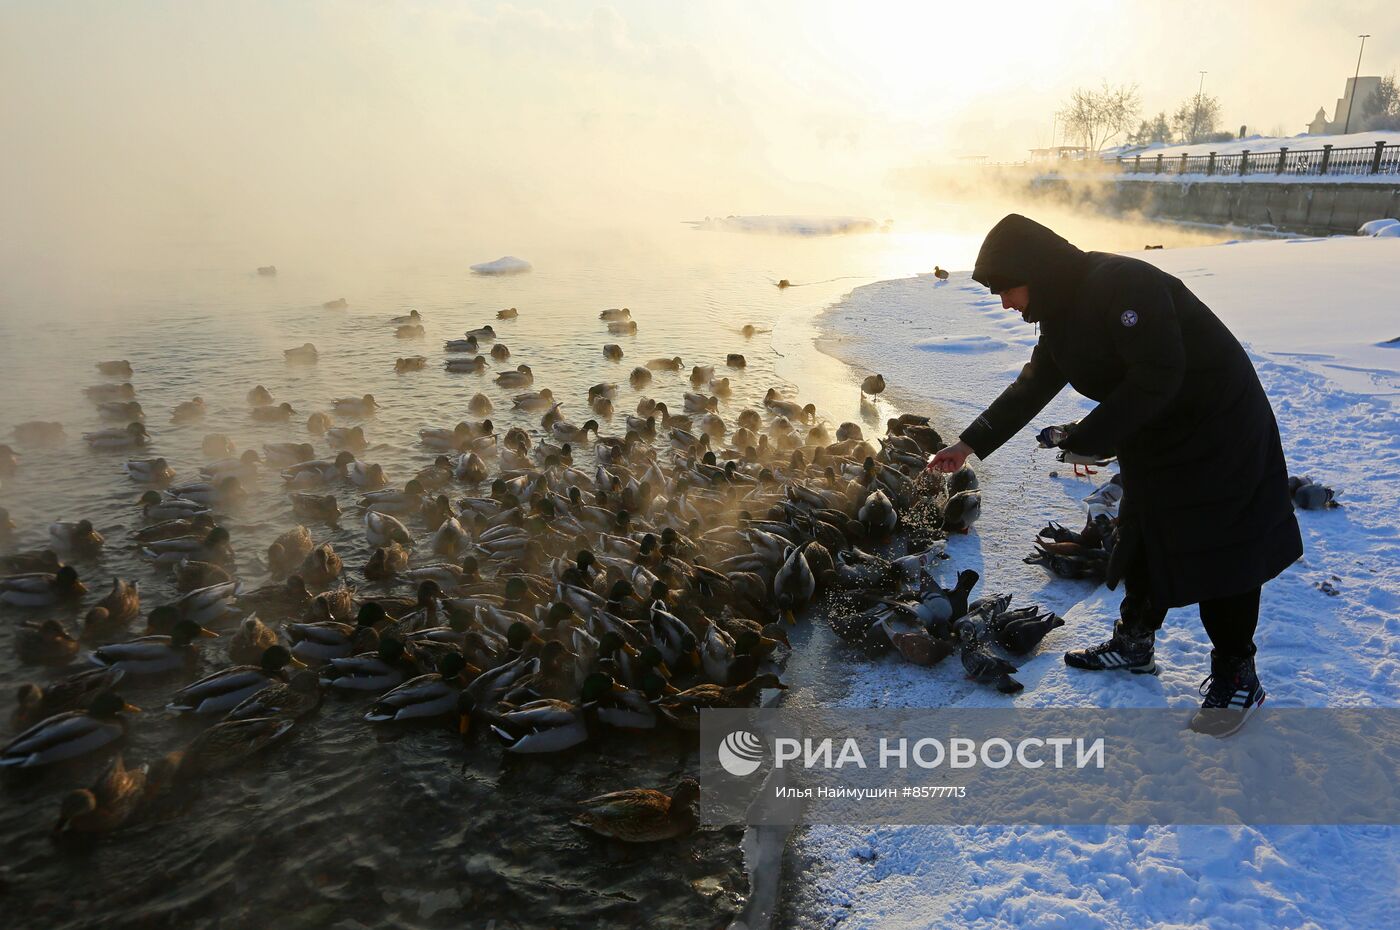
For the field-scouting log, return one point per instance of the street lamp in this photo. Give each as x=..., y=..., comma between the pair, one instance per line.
x=1196, y=115
x=1347, y=127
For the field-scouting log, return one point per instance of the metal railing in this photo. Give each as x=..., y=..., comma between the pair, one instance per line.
x=1329, y=161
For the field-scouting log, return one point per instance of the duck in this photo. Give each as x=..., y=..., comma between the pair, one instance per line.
x=78, y=537
x=381, y=529
x=430, y=695
x=521, y=377
x=962, y=510
x=76, y=692
x=460, y=345
x=878, y=514
x=320, y=642
x=320, y=507
x=114, y=612
x=318, y=422
x=639, y=378
x=289, y=700
x=158, y=506
x=794, y=583
x=318, y=472
x=121, y=410
x=39, y=432
x=542, y=726
x=132, y=436
x=117, y=368
x=226, y=744
x=872, y=385
x=41, y=589
x=385, y=562
x=111, y=801
x=365, y=475
x=287, y=551
x=567, y=432
x=410, y=363
x=444, y=438
x=45, y=643
x=500, y=352
x=378, y=671
x=214, y=547
x=642, y=815
x=100, y=393
x=355, y=406
x=259, y=396
x=410, y=331
x=613, y=314
x=683, y=709
x=665, y=364
x=225, y=689
x=279, y=413
x=412, y=316
x=467, y=365
x=305, y=354
x=154, y=655
x=485, y=333
x=288, y=597
x=217, y=446
x=321, y=566
x=612, y=352
x=69, y=735
x=150, y=471
x=192, y=574
x=282, y=454
x=347, y=437
x=252, y=640
x=223, y=492
x=622, y=328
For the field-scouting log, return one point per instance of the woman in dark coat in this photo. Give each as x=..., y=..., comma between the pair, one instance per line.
x=1206, y=517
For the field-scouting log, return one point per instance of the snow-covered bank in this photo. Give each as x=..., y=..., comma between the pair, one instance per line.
x=1316, y=315
x=788, y=225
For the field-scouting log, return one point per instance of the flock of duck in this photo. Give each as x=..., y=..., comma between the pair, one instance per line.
x=540, y=584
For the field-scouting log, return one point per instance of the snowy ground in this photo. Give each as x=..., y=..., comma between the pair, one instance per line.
x=1315, y=315
x=1262, y=144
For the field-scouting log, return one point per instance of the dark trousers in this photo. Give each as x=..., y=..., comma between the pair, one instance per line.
x=1229, y=621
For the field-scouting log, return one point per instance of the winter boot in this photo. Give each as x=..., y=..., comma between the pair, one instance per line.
x=1230, y=694
x=1123, y=652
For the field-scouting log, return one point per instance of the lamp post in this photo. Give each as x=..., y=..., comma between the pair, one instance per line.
x=1196, y=116
x=1347, y=127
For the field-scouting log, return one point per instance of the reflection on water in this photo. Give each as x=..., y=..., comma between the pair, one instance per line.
x=335, y=826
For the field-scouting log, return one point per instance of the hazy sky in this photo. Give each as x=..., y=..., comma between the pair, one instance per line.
x=314, y=118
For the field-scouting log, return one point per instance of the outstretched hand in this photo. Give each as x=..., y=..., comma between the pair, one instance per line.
x=950, y=459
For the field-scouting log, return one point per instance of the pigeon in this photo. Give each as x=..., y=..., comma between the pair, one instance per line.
x=964, y=479
x=1020, y=636
x=1311, y=495
x=984, y=666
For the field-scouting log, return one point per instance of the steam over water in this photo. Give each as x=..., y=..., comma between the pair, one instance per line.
x=336, y=825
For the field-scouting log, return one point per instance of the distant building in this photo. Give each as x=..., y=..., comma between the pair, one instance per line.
x=1058, y=151
x=1364, y=86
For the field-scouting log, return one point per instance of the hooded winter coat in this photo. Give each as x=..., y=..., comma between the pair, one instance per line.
x=1205, y=485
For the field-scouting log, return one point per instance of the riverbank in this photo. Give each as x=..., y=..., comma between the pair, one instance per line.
x=1316, y=316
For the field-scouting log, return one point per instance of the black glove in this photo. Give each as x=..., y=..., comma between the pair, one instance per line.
x=1052, y=436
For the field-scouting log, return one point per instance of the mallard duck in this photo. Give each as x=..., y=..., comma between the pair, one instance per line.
x=794, y=583
x=542, y=726
x=736, y=360
x=221, y=492
x=371, y=671
x=150, y=471
x=665, y=364
x=118, y=368
x=76, y=692
x=282, y=454
x=110, y=391
x=133, y=435
x=288, y=550
x=46, y=643
x=226, y=688
x=114, y=612
x=479, y=404
x=108, y=804
x=874, y=385
x=642, y=815
x=878, y=514
x=209, y=605
x=612, y=352
x=347, y=437
x=430, y=695
x=321, y=566
x=683, y=709
x=191, y=574
x=30, y=563
x=320, y=507
x=228, y=743
x=463, y=365
x=304, y=354
x=366, y=476
x=278, y=413
x=542, y=399
x=291, y=699
x=410, y=331
x=612, y=314
x=386, y=562
x=188, y=411
x=154, y=655
x=355, y=406
x=622, y=328
x=500, y=352
x=381, y=529
x=41, y=589
x=249, y=645
x=443, y=438
x=121, y=410
x=158, y=506
x=413, y=316
x=335, y=604
x=521, y=377
x=259, y=396
x=484, y=333
x=321, y=642
x=69, y=735
x=391, y=500
x=961, y=511
x=318, y=422
x=567, y=432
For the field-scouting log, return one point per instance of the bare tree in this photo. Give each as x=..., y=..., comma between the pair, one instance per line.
x=1194, y=121
x=1381, y=109
x=1096, y=117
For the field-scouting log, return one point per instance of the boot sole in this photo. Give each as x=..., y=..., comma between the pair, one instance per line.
x=1240, y=721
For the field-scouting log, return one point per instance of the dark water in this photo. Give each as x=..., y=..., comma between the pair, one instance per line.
x=336, y=826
